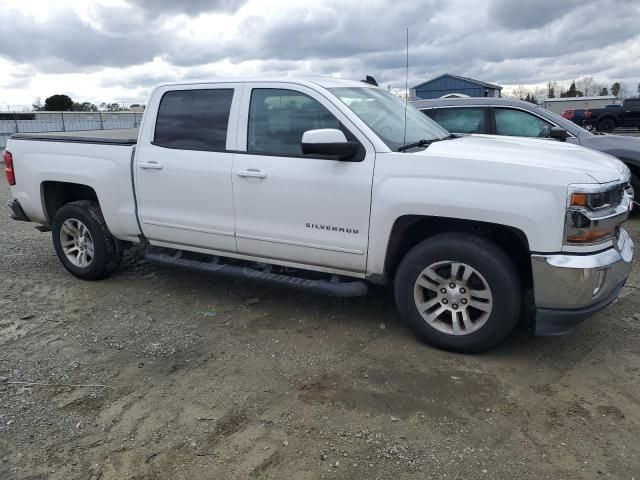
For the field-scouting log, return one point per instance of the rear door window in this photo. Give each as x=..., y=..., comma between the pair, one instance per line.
x=194, y=119
x=461, y=119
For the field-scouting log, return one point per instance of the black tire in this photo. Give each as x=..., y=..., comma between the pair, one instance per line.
x=485, y=257
x=606, y=125
x=106, y=258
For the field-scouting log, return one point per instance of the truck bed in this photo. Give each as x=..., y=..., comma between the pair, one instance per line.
x=120, y=136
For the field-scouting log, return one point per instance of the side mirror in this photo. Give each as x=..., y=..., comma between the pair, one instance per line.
x=329, y=142
x=559, y=133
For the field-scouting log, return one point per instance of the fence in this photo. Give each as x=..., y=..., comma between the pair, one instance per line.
x=31, y=122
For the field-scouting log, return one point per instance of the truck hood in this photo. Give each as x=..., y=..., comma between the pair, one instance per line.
x=539, y=153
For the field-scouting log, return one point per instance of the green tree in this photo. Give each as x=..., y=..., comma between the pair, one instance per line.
x=604, y=91
x=84, y=107
x=572, y=92
x=58, y=103
x=113, y=107
x=615, y=89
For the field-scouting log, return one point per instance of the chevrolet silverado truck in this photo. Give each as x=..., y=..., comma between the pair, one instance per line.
x=326, y=185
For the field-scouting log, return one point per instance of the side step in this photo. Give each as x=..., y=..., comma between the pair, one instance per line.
x=355, y=288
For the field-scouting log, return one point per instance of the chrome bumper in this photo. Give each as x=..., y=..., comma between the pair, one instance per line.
x=573, y=287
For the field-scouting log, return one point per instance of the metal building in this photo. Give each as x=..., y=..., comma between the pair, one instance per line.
x=447, y=84
x=559, y=105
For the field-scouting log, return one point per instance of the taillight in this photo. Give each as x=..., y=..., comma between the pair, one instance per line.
x=588, y=114
x=568, y=114
x=8, y=167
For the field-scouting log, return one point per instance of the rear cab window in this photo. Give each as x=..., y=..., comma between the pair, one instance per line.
x=194, y=119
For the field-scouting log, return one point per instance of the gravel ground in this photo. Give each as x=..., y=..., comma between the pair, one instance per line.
x=191, y=377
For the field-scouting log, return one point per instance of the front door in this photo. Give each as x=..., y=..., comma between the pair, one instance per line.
x=292, y=207
x=183, y=168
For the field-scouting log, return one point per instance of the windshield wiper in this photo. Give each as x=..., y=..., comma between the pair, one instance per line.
x=422, y=143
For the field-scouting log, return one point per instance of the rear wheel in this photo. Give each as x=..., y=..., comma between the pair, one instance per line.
x=458, y=292
x=606, y=125
x=83, y=242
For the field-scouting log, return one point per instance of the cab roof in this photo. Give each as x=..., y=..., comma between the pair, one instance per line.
x=325, y=82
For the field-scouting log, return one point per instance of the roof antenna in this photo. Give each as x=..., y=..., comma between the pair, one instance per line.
x=370, y=80
x=406, y=92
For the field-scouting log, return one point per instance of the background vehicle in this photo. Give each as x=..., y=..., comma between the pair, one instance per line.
x=576, y=116
x=503, y=116
x=274, y=180
x=611, y=117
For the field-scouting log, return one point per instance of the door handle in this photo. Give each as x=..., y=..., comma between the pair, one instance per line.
x=151, y=165
x=252, y=173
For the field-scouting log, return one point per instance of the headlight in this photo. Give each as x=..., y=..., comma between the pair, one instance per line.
x=594, y=214
x=597, y=200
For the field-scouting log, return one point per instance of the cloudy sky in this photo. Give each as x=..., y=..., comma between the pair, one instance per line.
x=115, y=50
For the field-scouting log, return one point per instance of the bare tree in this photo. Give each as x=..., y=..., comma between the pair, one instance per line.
x=539, y=94
x=519, y=92
x=588, y=86
x=553, y=89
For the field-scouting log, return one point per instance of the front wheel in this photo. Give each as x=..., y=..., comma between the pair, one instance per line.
x=459, y=292
x=83, y=242
x=606, y=125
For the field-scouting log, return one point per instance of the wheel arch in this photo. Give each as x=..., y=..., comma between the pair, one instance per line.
x=55, y=194
x=409, y=230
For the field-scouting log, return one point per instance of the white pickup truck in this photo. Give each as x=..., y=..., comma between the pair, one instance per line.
x=325, y=184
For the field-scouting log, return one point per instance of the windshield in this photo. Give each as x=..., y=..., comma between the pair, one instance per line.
x=384, y=113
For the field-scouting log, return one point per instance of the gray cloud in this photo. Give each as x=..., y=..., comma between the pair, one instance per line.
x=500, y=41
x=156, y=8
x=65, y=42
x=517, y=15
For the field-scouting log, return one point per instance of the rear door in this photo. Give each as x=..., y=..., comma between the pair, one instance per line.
x=183, y=167
x=462, y=119
x=302, y=209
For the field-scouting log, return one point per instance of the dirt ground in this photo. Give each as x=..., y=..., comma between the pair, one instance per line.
x=203, y=378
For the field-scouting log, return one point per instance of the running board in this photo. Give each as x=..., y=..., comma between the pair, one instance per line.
x=355, y=288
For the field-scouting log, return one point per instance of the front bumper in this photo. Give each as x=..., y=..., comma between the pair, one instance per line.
x=16, y=211
x=571, y=288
